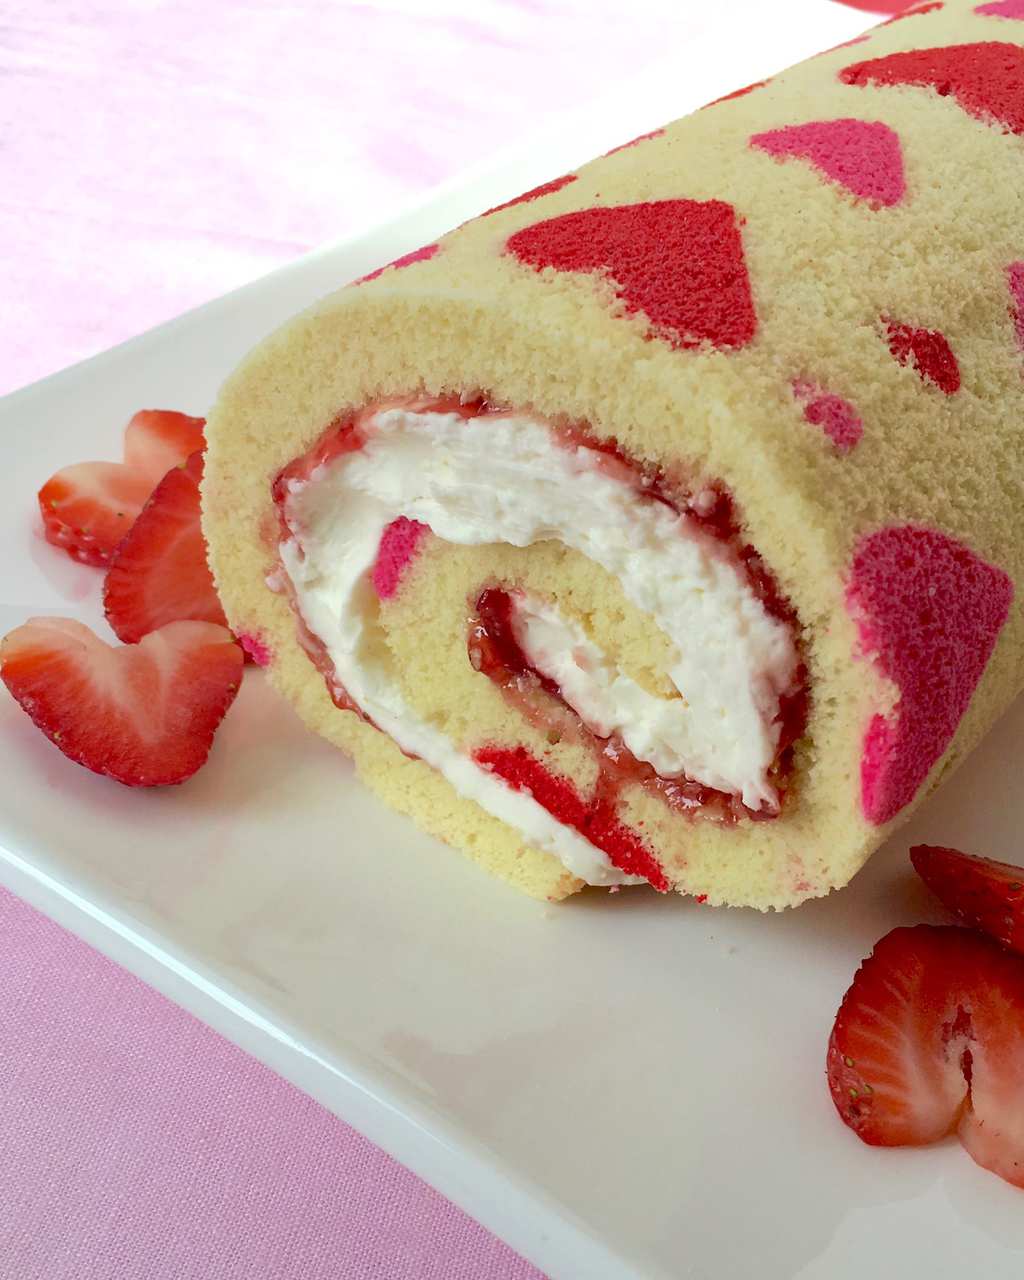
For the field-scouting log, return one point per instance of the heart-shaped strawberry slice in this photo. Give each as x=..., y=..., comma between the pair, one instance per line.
x=88, y=508
x=929, y=1041
x=143, y=714
x=680, y=263
x=158, y=574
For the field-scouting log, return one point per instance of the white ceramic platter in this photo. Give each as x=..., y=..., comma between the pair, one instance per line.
x=619, y=1086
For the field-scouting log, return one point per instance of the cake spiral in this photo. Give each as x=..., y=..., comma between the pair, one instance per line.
x=662, y=525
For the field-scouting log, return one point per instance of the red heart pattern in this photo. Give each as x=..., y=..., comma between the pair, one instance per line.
x=680, y=263
x=928, y=351
x=985, y=79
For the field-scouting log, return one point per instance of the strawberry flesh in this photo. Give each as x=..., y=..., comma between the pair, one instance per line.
x=929, y=1041
x=159, y=573
x=985, y=894
x=157, y=439
x=142, y=714
x=88, y=508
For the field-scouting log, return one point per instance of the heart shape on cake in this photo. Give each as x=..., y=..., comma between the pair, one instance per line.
x=680, y=263
x=863, y=156
x=929, y=612
x=985, y=79
x=1012, y=9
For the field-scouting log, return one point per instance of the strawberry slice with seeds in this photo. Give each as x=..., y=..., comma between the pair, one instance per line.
x=159, y=573
x=986, y=894
x=142, y=714
x=157, y=439
x=929, y=1041
x=89, y=507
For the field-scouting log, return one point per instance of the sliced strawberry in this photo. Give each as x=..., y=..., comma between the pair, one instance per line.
x=929, y=1041
x=157, y=439
x=142, y=714
x=159, y=572
x=89, y=507
x=986, y=894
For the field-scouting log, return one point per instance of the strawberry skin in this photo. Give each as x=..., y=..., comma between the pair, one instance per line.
x=88, y=508
x=929, y=1041
x=142, y=714
x=985, y=894
x=159, y=574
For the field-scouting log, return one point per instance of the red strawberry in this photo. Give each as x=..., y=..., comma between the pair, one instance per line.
x=89, y=507
x=929, y=1041
x=985, y=894
x=159, y=572
x=142, y=714
x=157, y=439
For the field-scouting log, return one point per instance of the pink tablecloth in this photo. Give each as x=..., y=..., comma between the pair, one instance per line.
x=155, y=154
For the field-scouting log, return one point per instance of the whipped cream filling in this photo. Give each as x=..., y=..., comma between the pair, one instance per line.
x=507, y=478
x=655, y=729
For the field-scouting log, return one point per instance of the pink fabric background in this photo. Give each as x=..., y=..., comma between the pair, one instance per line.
x=153, y=154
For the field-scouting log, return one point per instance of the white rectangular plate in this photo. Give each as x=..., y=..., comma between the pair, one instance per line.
x=619, y=1086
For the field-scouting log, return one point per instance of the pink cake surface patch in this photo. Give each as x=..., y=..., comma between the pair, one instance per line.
x=535, y=193
x=406, y=260
x=595, y=821
x=986, y=79
x=836, y=417
x=1015, y=280
x=398, y=544
x=862, y=156
x=1002, y=9
x=633, y=142
x=929, y=612
x=929, y=353
x=678, y=262
x=255, y=648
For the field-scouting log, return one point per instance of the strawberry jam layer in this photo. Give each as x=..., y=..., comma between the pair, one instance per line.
x=495, y=651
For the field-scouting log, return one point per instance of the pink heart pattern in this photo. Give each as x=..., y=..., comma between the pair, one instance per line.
x=929, y=612
x=864, y=157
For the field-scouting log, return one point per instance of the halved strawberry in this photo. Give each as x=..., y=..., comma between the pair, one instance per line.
x=159, y=573
x=142, y=714
x=986, y=894
x=929, y=1041
x=157, y=439
x=88, y=508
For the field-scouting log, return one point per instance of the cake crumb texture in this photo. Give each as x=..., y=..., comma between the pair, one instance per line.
x=809, y=293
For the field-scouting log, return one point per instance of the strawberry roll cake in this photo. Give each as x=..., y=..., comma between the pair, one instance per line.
x=663, y=524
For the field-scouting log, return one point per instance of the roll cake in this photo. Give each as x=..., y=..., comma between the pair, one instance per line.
x=663, y=524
